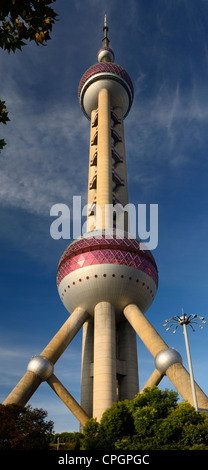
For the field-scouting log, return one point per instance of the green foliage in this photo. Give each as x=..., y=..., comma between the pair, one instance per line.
x=24, y=428
x=25, y=20
x=116, y=422
x=184, y=429
x=153, y=420
x=20, y=21
x=91, y=434
x=67, y=440
x=4, y=119
x=160, y=400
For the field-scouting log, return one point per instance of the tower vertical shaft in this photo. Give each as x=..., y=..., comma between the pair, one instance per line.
x=104, y=163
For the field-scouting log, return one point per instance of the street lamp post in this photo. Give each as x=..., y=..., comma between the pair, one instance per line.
x=185, y=320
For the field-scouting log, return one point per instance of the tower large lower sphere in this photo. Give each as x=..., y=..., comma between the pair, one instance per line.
x=104, y=274
x=105, y=280
x=106, y=268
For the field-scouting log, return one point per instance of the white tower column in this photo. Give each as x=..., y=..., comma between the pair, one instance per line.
x=128, y=384
x=104, y=161
x=104, y=386
x=87, y=362
x=92, y=192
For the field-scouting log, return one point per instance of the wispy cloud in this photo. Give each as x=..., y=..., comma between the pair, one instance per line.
x=161, y=131
x=38, y=166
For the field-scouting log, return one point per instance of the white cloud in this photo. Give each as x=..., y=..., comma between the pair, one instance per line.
x=44, y=161
x=162, y=128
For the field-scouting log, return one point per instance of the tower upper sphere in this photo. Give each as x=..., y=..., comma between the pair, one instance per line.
x=105, y=74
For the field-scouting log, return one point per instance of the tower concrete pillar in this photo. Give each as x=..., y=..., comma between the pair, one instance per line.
x=177, y=374
x=64, y=336
x=128, y=383
x=24, y=389
x=104, y=383
x=87, y=365
x=180, y=378
x=68, y=399
x=144, y=329
x=154, y=379
x=104, y=160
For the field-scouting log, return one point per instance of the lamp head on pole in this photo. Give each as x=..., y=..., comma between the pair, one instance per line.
x=184, y=320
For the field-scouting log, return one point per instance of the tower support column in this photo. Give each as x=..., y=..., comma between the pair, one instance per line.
x=104, y=383
x=24, y=389
x=68, y=399
x=87, y=361
x=128, y=384
x=154, y=379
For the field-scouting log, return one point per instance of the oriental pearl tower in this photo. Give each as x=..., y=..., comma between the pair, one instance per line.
x=105, y=280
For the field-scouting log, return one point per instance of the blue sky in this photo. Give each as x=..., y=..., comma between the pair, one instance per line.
x=164, y=47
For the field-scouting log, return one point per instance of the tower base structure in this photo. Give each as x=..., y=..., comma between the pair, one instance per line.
x=108, y=379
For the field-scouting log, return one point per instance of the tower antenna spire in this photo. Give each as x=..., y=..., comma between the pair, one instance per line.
x=105, y=29
x=105, y=54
